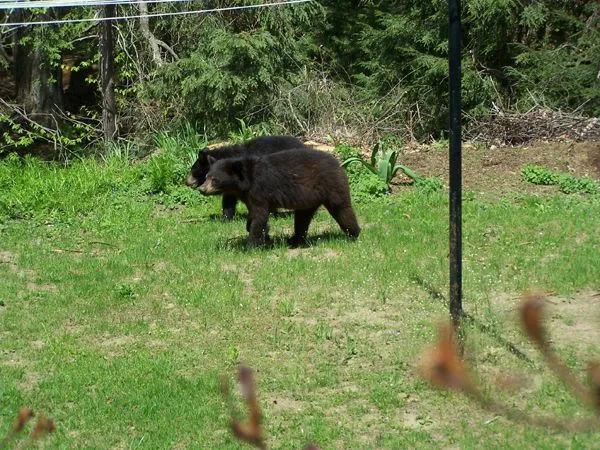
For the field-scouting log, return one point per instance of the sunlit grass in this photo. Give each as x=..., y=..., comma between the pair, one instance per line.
x=119, y=310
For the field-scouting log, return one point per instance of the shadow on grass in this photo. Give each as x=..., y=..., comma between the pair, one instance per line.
x=436, y=294
x=244, y=216
x=240, y=243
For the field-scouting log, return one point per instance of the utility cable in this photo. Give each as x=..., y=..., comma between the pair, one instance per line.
x=138, y=16
x=12, y=4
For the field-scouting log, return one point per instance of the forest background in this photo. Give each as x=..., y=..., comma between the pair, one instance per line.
x=353, y=70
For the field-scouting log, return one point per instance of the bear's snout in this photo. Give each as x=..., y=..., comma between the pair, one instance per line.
x=191, y=181
x=208, y=187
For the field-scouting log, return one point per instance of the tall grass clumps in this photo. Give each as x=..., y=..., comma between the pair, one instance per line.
x=33, y=188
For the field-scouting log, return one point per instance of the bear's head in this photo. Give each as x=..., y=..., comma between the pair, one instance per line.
x=228, y=175
x=199, y=170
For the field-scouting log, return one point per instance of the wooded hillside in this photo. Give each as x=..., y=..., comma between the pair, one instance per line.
x=347, y=68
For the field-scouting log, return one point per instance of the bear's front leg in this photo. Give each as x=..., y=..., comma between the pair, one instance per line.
x=257, y=223
x=302, y=218
x=249, y=224
x=229, y=202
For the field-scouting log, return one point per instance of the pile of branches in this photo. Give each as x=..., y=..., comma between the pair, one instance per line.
x=512, y=128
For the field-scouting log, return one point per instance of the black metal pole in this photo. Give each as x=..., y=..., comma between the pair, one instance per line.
x=455, y=158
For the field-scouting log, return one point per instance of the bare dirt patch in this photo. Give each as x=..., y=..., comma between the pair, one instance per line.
x=575, y=319
x=244, y=276
x=570, y=320
x=362, y=315
x=30, y=380
x=6, y=257
x=313, y=253
x=498, y=169
x=277, y=404
x=9, y=258
x=41, y=287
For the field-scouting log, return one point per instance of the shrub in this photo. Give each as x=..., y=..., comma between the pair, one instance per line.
x=161, y=172
x=428, y=185
x=364, y=184
x=566, y=182
x=177, y=151
x=539, y=175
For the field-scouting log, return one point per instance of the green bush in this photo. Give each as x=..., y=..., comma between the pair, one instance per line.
x=364, y=184
x=428, y=185
x=162, y=173
x=176, y=152
x=566, y=182
x=231, y=66
x=539, y=175
x=569, y=184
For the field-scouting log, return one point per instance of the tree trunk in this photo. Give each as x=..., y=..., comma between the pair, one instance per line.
x=107, y=75
x=39, y=86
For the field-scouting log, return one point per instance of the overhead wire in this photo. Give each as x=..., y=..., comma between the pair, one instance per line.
x=139, y=16
x=12, y=4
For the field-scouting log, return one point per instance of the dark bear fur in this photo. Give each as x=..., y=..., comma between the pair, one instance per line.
x=299, y=179
x=256, y=147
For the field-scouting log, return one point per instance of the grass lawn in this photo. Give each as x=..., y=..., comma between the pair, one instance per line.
x=119, y=311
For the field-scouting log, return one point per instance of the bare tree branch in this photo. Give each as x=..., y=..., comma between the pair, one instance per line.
x=167, y=48
x=153, y=41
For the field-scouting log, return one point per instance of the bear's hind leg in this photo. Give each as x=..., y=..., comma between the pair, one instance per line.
x=302, y=220
x=346, y=219
x=229, y=203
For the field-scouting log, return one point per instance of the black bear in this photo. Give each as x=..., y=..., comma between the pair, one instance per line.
x=298, y=179
x=258, y=146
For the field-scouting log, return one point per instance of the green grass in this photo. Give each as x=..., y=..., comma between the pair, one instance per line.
x=120, y=309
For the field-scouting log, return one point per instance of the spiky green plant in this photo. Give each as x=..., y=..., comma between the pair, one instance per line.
x=383, y=164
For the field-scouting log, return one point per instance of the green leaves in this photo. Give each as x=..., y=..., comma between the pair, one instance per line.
x=539, y=175
x=348, y=161
x=231, y=67
x=247, y=132
x=567, y=183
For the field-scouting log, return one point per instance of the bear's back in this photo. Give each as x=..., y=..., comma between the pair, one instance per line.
x=304, y=160
x=270, y=144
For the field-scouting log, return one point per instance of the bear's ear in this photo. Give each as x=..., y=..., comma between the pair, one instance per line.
x=211, y=160
x=201, y=152
x=239, y=170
